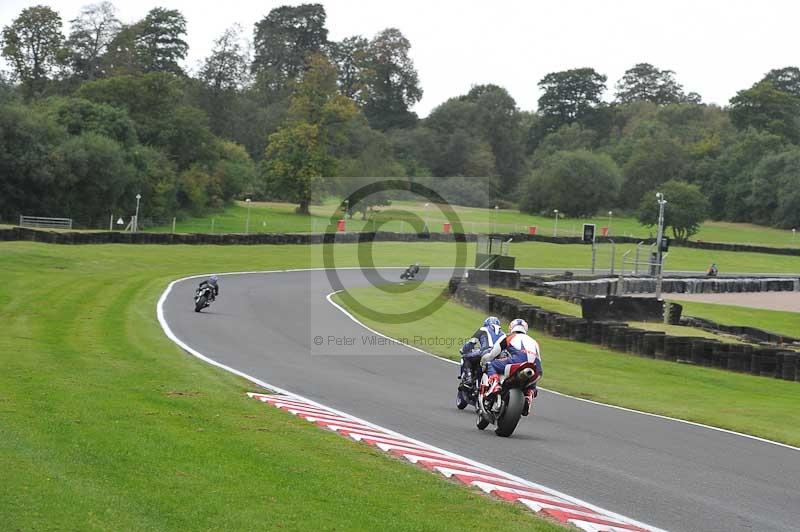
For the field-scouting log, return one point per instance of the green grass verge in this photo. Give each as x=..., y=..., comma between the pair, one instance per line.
x=776, y=321
x=107, y=425
x=760, y=406
x=571, y=309
x=281, y=217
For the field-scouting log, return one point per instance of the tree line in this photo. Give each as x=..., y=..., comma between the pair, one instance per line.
x=91, y=117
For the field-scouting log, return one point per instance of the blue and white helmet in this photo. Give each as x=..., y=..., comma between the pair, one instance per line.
x=518, y=326
x=491, y=320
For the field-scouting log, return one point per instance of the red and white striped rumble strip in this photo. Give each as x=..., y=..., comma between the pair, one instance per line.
x=538, y=498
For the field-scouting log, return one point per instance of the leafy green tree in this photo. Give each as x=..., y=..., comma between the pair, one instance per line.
x=655, y=158
x=150, y=100
x=767, y=108
x=350, y=57
x=729, y=182
x=122, y=57
x=303, y=152
x=160, y=45
x=577, y=183
x=498, y=119
x=226, y=69
x=284, y=41
x=570, y=137
x=392, y=81
x=785, y=79
x=93, y=175
x=686, y=209
x=296, y=161
x=80, y=116
x=774, y=190
x=32, y=45
x=644, y=82
x=569, y=96
x=92, y=33
x=27, y=174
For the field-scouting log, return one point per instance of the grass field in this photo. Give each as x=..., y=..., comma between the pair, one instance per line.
x=760, y=406
x=107, y=425
x=571, y=309
x=280, y=217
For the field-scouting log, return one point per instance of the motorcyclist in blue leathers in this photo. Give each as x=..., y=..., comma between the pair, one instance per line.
x=481, y=343
x=213, y=282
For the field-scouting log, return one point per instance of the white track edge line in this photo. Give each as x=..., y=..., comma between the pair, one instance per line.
x=171, y=335
x=625, y=409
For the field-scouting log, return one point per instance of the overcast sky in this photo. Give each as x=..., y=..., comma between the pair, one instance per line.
x=716, y=47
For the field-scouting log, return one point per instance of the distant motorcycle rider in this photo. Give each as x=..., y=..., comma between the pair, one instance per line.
x=481, y=343
x=213, y=282
x=520, y=348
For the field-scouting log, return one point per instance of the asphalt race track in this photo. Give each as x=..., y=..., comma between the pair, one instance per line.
x=669, y=474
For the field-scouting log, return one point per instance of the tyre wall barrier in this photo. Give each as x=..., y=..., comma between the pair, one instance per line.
x=102, y=237
x=109, y=237
x=611, y=286
x=495, y=278
x=773, y=362
x=622, y=309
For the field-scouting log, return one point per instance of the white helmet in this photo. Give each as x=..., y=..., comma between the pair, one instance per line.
x=518, y=326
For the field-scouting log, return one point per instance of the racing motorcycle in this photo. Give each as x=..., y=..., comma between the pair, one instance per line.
x=410, y=272
x=469, y=379
x=504, y=408
x=203, y=297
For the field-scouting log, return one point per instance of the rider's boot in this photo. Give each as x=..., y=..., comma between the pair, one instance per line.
x=527, y=408
x=492, y=387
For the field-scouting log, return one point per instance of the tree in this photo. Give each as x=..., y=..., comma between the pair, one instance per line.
x=498, y=119
x=93, y=177
x=655, y=158
x=729, y=185
x=569, y=96
x=766, y=108
x=27, y=176
x=80, y=116
x=226, y=69
x=92, y=33
x=577, y=183
x=160, y=45
x=283, y=42
x=350, y=57
x=687, y=208
x=32, y=44
x=785, y=79
x=303, y=152
x=773, y=199
x=393, y=83
x=296, y=161
x=121, y=57
x=644, y=82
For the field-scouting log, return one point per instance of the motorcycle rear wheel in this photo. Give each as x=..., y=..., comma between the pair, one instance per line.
x=510, y=418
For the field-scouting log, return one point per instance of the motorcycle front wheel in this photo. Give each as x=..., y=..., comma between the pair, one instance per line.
x=461, y=400
x=200, y=304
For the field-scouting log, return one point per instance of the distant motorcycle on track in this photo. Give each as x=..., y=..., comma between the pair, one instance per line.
x=203, y=297
x=410, y=272
x=504, y=408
